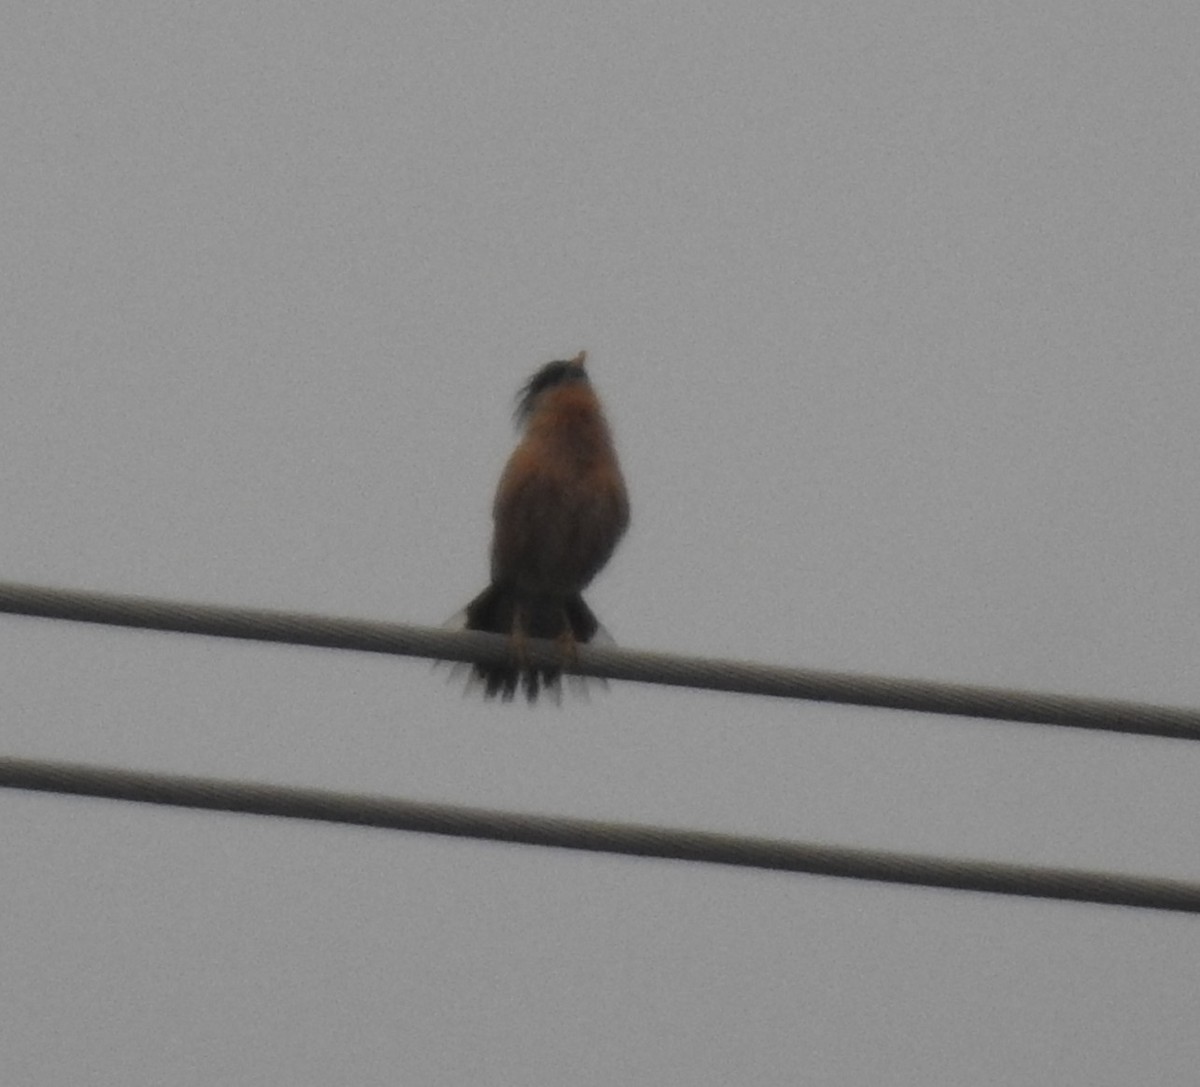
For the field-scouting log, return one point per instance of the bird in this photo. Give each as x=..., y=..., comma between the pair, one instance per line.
x=561, y=508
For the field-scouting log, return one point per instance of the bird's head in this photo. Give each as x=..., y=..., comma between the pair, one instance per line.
x=551, y=376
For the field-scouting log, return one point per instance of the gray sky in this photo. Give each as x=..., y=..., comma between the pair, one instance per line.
x=894, y=311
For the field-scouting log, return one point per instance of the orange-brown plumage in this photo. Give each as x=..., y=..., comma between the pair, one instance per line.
x=560, y=510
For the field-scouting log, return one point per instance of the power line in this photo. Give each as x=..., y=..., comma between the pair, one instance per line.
x=600, y=837
x=298, y=628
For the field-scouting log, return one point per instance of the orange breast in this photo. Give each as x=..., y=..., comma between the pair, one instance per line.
x=561, y=506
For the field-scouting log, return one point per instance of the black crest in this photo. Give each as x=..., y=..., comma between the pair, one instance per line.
x=550, y=375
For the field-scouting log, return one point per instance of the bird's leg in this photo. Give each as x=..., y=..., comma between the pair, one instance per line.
x=524, y=672
x=568, y=647
x=518, y=640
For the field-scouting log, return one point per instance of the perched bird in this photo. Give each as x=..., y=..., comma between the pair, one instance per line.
x=560, y=510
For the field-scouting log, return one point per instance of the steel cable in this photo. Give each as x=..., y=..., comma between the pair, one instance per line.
x=600, y=837
x=298, y=628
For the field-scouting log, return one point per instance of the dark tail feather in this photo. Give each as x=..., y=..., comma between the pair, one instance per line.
x=495, y=610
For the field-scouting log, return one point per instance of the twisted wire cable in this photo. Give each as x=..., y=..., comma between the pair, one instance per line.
x=298, y=628
x=629, y=839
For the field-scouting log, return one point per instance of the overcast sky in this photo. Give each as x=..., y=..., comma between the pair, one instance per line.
x=894, y=312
